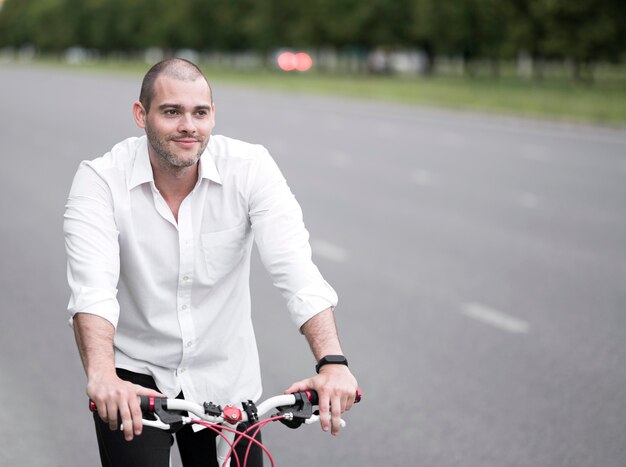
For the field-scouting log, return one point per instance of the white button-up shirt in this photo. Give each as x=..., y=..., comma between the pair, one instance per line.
x=178, y=292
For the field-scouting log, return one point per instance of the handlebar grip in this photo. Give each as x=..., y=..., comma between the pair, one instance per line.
x=314, y=398
x=145, y=402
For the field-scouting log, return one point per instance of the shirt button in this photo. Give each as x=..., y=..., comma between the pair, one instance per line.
x=186, y=278
x=184, y=307
x=182, y=370
x=189, y=344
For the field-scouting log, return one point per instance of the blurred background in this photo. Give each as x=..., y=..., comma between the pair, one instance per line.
x=462, y=171
x=522, y=56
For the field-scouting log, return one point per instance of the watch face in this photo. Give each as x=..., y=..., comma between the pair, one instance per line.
x=335, y=359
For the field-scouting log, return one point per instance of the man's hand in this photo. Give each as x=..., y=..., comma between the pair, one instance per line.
x=114, y=396
x=336, y=388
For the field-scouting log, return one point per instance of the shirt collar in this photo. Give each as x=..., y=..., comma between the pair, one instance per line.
x=208, y=169
x=142, y=169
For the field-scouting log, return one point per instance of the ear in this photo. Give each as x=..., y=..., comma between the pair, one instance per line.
x=212, y=115
x=140, y=114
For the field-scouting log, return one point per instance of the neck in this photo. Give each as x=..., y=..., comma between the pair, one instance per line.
x=174, y=183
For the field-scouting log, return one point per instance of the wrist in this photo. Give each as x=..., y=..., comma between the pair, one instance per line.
x=331, y=360
x=101, y=374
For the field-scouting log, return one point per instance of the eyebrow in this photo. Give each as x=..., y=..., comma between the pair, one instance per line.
x=179, y=107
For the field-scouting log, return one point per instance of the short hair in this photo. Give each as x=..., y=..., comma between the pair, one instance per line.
x=177, y=68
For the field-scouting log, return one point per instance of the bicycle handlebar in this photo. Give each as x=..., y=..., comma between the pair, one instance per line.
x=169, y=412
x=170, y=415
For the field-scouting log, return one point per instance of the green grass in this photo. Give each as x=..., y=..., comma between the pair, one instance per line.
x=554, y=98
x=601, y=103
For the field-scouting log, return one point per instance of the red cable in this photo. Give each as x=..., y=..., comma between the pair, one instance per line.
x=256, y=432
x=239, y=436
x=217, y=428
x=244, y=434
x=258, y=426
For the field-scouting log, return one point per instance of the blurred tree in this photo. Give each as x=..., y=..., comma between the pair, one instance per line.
x=583, y=31
x=15, y=12
x=169, y=24
x=340, y=22
x=427, y=28
x=382, y=23
x=470, y=29
x=232, y=26
x=527, y=30
x=56, y=22
x=97, y=29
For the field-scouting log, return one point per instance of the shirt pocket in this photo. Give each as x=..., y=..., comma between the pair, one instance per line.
x=223, y=251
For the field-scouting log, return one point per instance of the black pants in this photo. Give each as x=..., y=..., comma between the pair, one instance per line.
x=152, y=447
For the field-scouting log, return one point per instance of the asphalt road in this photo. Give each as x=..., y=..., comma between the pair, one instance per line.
x=480, y=264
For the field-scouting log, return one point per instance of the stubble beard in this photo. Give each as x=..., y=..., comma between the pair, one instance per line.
x=170, y=159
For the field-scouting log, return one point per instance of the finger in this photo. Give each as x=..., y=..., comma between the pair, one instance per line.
x=127, y=422
x=324, y=411
x=112, y=415
x=141, y=391
x=335, y=411
x=101, y=408
x=135, y=413
x=348, y=402
x=299, y=386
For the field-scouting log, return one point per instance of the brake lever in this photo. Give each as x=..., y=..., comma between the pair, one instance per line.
x=297, y=413
x=316, y=418
x=157, y=423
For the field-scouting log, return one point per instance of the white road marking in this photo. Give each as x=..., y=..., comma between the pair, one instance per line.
x=329, y=251
x=422, y=177
x=495, y=318
x=528, y=200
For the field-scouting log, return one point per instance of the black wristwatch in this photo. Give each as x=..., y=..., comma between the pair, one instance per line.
x=331, y=360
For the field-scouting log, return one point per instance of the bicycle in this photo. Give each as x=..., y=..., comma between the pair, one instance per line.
x=293, y=410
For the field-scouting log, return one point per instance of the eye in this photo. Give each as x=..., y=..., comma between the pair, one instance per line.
x=170, y=112
x=202, y=113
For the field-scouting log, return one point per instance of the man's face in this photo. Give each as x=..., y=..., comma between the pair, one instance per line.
x=179, y=122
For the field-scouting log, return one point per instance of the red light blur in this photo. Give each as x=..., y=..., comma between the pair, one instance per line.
x=303, y=61
x=288, y=61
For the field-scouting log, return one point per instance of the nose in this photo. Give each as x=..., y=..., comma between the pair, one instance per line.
x=186, y=124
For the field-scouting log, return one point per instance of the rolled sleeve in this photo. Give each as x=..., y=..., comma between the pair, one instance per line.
x=91, y=243
x=310, y=301
x=100, y=302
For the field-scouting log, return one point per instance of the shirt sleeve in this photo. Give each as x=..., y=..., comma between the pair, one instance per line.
x=283, y=243
x=91, y=243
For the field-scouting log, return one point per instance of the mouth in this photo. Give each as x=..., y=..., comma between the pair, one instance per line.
x=185, y=142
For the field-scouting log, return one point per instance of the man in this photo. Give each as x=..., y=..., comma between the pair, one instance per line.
x=158, y=235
